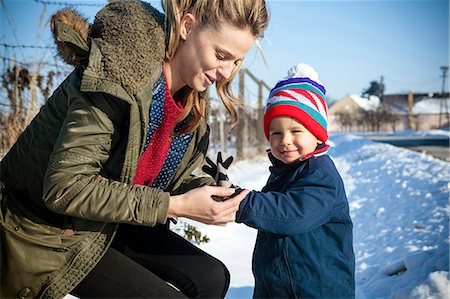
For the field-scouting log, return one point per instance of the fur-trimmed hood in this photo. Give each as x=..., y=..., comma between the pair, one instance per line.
x=129, y=34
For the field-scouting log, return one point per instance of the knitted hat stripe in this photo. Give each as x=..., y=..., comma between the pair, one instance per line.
x=298, y=95
x=298, y=86
x=308, y=96
x=321, y=105
x=309, y=99
x=311, y=111
x=324, y=104
x=284, y=94
x=293, y=94
x=300, y=80
x=299, y=99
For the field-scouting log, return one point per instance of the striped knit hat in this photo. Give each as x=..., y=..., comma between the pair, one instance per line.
x=302, y=97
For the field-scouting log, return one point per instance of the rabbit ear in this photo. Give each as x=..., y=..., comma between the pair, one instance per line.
x=208, y=170
x=228, y=162
x=210, y=162
x=211, y=168
x=219, y=158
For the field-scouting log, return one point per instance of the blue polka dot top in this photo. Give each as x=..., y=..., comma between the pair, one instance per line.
x=179, y=143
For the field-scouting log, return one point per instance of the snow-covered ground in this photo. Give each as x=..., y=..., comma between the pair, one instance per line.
x=399, y=202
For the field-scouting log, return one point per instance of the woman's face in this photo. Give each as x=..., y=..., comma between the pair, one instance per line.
x=207, y=55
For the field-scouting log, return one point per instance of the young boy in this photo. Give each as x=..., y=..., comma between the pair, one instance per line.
x=304, y=245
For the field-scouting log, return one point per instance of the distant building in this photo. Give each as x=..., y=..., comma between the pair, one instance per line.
x=395, y=112
x=354, y=104
x=431, y=113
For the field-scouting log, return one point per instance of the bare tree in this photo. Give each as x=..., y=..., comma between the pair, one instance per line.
x=19, y=85
x=346, y=120
x=378, y=117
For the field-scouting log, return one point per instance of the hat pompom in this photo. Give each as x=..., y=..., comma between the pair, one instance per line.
x=303, y=70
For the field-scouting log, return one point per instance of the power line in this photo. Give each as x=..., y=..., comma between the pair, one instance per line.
x=29, y=64
x=6, y=105
x=27, y=46
x=62, y=3
x=15, y=60
x=10, y=19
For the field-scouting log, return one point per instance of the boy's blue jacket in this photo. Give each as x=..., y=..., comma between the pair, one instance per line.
x=304, y=245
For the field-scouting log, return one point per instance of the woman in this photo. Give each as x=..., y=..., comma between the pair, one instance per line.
x=111, y=153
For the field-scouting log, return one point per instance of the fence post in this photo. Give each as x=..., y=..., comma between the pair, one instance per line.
x=240, y=128
x=221, y=118
x=260, y=115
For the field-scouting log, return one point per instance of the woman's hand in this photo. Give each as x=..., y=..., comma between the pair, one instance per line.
x=198, y=204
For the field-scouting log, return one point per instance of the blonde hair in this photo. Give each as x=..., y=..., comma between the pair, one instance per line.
x=245, y=14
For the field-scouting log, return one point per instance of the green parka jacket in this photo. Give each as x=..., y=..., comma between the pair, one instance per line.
x=67, y=182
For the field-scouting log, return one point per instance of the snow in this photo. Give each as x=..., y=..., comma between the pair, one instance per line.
x=424, y=106
x=399, y=203
x=431, y=106
x=367, y=104
x=432, y=133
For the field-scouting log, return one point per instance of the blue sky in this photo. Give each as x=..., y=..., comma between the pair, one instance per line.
x=349, y=43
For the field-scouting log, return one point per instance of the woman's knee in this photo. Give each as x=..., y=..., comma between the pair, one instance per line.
x=216, y=279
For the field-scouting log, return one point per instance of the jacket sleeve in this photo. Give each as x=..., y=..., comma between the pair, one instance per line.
x=304, y=207
x=73, y=184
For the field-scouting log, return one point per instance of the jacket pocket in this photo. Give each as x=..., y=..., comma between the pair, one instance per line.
x=31, y=254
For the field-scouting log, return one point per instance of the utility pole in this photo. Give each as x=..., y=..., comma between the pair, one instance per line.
x=381, y=90
x=444, y=70
x=410, y=110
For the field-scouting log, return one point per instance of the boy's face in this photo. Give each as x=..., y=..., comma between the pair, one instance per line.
x=289, y=140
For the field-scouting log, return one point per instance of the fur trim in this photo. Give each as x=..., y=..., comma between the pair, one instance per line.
x=70, y=53
x=130, y=35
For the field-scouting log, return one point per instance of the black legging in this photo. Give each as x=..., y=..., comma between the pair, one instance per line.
x=144, y=262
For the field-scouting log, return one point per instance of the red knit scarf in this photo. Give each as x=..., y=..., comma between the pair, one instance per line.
x=152, y=160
